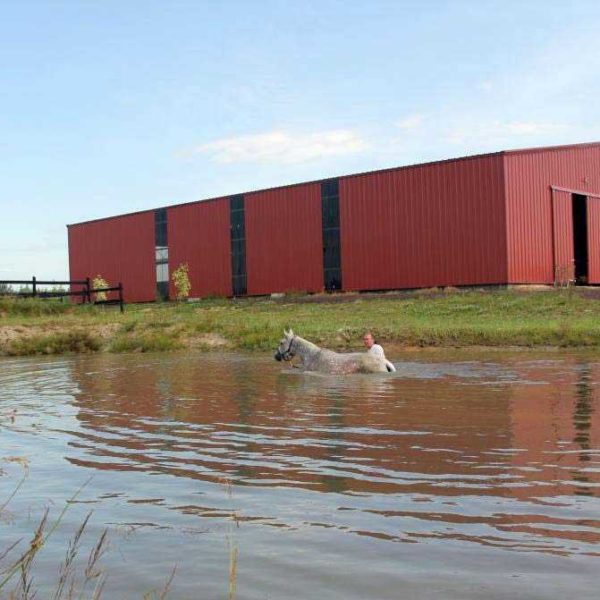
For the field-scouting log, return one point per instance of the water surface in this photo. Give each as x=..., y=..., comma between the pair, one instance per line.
x=463, y=475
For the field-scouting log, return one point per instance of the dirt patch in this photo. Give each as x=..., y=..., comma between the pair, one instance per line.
x=344, y=297
x=12, y=333
x=590, y=293
x=9, y=333
x=207, y=341
x=105, y=331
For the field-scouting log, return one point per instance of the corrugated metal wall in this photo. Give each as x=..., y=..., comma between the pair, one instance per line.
x=284, y=247
x=593, y=207
x=431, y=225
x=529, y=175
x=120, y=250
x=199, y=235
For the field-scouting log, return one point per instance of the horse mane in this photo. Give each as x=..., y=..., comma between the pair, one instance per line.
x=308, y=345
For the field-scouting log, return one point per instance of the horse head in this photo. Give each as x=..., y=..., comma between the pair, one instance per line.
x=285, y=350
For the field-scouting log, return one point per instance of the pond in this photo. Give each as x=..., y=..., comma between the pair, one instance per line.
x=465, y=474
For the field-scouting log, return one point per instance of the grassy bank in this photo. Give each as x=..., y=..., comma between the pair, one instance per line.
x=432, y=318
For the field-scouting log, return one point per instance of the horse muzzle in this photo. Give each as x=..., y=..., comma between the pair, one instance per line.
x=278, y=356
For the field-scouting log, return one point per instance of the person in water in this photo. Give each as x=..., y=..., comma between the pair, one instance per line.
x=374, y=348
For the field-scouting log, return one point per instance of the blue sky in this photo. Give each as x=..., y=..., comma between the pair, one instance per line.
x=112, y=107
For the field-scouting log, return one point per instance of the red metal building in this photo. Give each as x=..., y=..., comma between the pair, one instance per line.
x=525, y=216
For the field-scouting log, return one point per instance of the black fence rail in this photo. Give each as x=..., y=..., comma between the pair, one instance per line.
x=85, y=294
x=118, y=300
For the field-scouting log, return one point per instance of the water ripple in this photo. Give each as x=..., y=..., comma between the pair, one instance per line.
x=446, y=457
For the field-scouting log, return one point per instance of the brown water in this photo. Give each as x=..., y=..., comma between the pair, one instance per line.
x=463, y=476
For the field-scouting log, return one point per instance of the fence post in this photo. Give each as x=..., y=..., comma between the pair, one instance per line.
x=121, y=296
x=33, y=286
x=88, y=294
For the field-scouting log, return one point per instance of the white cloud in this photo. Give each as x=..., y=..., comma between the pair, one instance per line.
x=410, y=122
x=528, y=128
x=283, y=147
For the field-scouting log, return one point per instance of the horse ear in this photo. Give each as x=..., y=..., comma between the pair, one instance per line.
x=291, y=333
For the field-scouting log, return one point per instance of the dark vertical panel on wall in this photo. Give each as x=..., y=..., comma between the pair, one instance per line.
x=238, y=245
x=160, y=228
x=332, y=256
x=161, y=253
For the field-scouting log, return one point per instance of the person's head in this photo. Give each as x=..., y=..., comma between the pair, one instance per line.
x=368, y=339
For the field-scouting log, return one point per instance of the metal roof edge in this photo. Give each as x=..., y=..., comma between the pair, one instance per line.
x=361, y=174
x=290, y=185
x=148, y=210
x=553, y=148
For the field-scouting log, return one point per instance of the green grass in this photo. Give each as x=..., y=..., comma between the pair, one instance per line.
x=32, y=307
x=460, y=318
x=145, y=342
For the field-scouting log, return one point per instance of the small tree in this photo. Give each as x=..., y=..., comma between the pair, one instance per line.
x=181, y=281
x=99, y=282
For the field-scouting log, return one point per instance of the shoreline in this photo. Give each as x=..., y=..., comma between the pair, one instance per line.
x=481, y=319
x=34, y=341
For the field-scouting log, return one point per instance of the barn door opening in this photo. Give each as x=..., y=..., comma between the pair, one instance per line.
x=580, y=238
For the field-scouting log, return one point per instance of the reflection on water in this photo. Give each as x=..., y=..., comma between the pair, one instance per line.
x=455, y=477
x=582, y=422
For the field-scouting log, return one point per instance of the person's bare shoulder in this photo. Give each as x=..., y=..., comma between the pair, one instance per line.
x=377, y=350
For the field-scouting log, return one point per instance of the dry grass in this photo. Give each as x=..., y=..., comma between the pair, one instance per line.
x=17, y=563
x=232, y=543
x=62, y=342
x=68, y=586
x=20, y=567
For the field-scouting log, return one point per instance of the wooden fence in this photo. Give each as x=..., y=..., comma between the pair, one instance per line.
x=85, y=294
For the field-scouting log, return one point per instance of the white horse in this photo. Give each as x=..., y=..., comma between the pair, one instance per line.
x=326, y=361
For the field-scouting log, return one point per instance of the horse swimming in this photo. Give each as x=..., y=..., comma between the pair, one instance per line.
x=319, y=359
